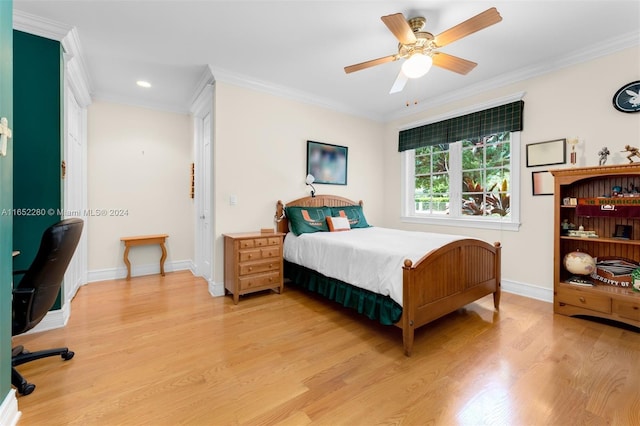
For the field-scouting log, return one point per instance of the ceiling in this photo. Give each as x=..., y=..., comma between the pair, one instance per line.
x=299, y=48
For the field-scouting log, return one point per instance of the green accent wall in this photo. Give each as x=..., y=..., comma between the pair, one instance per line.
x=6, y=195
x=37, y=108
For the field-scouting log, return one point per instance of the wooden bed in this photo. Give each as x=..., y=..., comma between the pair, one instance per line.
x=443, y=281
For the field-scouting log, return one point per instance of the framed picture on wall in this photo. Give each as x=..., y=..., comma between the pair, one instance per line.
x=327, y=163
x=547, y=153
x=542, y=183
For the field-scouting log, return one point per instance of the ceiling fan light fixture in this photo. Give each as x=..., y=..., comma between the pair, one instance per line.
x=417, y=65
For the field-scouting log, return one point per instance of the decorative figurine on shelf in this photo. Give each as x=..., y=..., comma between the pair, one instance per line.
x=616, y=191
x=633, y=152
x=566, y=227
x=603, y=154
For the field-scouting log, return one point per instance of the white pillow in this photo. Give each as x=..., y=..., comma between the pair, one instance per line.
x=338, y=224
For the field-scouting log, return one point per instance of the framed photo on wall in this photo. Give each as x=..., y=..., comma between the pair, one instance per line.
x=547, y=153
x=327, y=163
x=542, y=183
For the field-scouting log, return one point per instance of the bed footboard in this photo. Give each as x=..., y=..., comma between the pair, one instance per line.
x=446, y=279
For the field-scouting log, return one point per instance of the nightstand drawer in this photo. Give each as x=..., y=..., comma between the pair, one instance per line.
x=259, y=253
x=274, y=241
x=262, y=280
x=269, y=252
x=260, y=242
x=247, y=255
x=254, y=268
x=589, y=301
x=246, y=244
x=627, y=309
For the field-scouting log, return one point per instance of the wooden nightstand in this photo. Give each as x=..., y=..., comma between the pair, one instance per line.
x=252, y=262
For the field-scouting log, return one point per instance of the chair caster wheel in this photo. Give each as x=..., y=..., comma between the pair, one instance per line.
x=68, y=355
x=27, y=389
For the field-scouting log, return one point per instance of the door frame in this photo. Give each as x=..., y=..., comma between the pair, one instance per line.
x=76, y=80
x=74, y=184
x=201, y=109
x=9, y=412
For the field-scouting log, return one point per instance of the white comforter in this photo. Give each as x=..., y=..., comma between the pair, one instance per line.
x=369, y=258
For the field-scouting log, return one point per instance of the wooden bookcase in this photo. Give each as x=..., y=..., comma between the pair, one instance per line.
x=585, y=185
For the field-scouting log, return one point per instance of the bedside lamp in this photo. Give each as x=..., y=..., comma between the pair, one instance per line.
x=310, y=179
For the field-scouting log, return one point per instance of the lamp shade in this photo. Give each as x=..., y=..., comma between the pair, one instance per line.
x=310, y=179
x=417, y=65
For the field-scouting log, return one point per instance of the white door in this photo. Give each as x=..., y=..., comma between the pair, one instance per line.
x=74, y=202
x=202, y=110
x=205, y=205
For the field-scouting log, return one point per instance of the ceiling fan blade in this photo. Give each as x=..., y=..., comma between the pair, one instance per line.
x=398, y=85
x=453, y=63
x=369, y=64
x=470, y=26
x=400, y=28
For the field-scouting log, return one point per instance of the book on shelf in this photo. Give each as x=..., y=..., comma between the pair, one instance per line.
x=580, y=281
x=617, y=267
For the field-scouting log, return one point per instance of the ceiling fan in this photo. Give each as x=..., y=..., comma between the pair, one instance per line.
x=420, y=48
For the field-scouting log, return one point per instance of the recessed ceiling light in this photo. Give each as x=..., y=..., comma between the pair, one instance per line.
x=143, y=83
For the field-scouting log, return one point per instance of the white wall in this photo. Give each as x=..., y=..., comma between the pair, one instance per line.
x=139, y=160
x=260, y=145
x=575, y=101
x=260, y=157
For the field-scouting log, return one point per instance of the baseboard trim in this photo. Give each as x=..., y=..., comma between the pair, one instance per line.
x=138, y=270
x=9, y=413
x=54, y=319
x=216, y=289
x=528, y=290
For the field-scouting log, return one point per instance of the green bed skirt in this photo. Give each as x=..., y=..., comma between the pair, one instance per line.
x=372, y=305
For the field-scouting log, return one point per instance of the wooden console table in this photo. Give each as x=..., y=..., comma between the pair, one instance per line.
x=142, y=240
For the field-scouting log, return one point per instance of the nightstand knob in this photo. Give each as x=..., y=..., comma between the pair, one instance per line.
x=582, y=299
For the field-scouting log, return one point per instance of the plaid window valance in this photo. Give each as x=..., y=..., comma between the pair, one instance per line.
x=503, y=118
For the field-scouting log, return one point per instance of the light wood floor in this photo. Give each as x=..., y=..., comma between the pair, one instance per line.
x=162, y=351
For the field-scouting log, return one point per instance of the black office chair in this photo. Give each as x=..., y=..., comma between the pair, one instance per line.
x=37, y=291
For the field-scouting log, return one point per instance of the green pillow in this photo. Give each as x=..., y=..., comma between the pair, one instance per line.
x=307, y=219
x=353, y=213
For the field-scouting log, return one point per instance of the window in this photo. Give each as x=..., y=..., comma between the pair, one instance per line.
x=484, y=168
x=473, y=181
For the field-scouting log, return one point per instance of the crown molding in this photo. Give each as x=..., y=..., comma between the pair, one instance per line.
x=77, y=81
x=237, y=79
x=592, y=52
x=132, y=101
x=78, y=77
x=608, y=47
x=203, y=93
x=69, y=38
x=39, y=26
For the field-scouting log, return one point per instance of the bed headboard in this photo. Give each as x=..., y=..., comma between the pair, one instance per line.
x=282, y=224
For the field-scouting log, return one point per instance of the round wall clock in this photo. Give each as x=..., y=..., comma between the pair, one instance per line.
x=627, y=98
